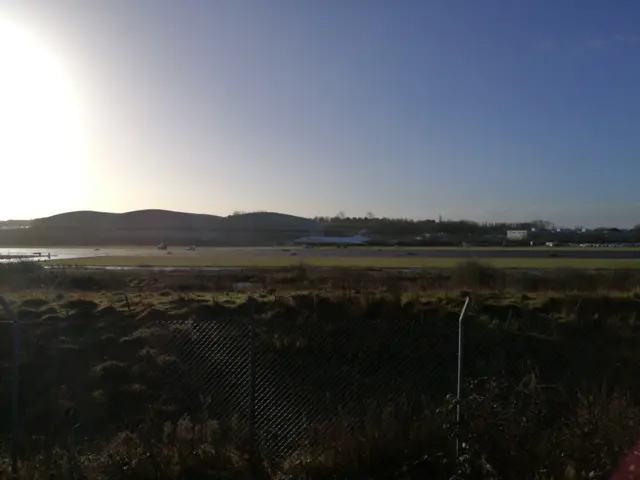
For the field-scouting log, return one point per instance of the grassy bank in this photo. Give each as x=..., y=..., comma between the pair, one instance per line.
x=155, y=386
x=147, y=375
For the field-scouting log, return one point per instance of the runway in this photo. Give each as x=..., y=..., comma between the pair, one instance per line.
x=42, y=253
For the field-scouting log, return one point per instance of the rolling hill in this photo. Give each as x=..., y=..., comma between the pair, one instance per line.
x=154, y=226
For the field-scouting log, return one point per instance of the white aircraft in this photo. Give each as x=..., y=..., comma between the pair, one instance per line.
x=360, y=239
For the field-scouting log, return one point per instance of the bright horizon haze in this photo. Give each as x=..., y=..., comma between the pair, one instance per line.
x=487, y=111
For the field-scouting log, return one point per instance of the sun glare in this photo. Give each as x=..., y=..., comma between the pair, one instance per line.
x=41, y=143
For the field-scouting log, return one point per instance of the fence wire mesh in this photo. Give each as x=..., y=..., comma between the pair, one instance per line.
x=284, y=384
x=280, y=381
x=276, y=384
x=315, y=379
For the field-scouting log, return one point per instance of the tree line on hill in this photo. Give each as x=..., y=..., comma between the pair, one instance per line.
x=404, y=226
x=455, y=231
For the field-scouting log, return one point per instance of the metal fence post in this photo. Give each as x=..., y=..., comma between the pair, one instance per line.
x=459, y=386
x=252, y=383
x=15, y=385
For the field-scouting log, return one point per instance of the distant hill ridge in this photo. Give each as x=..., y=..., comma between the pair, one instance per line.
x=163, y=219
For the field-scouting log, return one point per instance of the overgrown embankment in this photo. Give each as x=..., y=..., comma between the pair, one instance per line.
x=336, y=375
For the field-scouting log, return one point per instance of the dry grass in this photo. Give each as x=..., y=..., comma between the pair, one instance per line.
x=252, y=260
x=111, y=387
x=32, y=279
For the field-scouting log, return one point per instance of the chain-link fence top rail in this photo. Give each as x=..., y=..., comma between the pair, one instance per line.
x=296, y=376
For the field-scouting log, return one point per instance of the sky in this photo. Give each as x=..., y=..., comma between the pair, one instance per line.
x=484, y=110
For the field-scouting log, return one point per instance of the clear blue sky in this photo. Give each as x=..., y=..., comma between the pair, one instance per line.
x=485, y=110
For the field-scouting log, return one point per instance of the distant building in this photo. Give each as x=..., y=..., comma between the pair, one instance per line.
x=517, y=235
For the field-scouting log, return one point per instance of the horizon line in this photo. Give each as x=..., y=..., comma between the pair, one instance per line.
x=365, y=216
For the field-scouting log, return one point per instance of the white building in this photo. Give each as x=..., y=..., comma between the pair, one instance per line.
x=517, y=235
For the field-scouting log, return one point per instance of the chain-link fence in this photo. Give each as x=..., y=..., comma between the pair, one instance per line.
x=281, y=385
x=274, y=384
x=291, y=384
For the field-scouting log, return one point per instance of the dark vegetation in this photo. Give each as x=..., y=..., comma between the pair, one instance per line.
x=454, y=232
x=143, y=375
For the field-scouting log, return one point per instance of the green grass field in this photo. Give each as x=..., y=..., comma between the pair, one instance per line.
x=235, y=260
